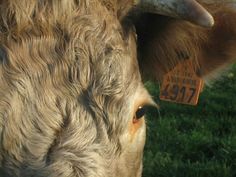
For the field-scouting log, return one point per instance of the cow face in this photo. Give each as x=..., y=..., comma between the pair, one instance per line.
x=71, y=93
x=72, y=99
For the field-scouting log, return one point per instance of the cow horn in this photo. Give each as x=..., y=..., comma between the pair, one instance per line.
x=189, y=10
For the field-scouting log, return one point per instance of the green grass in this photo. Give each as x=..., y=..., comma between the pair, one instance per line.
x=189, y=141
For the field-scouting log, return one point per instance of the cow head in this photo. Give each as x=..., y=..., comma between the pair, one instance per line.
x=72, y=100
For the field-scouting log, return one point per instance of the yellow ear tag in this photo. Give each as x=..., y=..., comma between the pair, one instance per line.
x=182, y=85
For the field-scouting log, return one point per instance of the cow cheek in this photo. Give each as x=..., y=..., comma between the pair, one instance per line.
x=130, y=162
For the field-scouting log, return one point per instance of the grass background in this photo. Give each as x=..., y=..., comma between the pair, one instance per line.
x=188, y=141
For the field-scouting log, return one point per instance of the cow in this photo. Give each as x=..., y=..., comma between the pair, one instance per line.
x=72, y=99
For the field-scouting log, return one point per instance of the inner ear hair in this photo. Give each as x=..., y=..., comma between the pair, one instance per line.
x=162, y=39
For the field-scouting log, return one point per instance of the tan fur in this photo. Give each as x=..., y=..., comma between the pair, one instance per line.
x=67, y=79
x=70, y=82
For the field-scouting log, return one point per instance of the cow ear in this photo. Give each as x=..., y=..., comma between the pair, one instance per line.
x=164, y=42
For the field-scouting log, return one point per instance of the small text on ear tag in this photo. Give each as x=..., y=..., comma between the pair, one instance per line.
x=182, y=85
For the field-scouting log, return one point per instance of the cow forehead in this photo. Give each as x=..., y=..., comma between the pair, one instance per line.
x=77, y=45
x=83, y=34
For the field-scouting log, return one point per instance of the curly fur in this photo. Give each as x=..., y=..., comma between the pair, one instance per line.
x=65, y=81
x=70, y=81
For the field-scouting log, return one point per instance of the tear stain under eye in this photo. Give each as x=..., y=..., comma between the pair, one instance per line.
x=134, y=127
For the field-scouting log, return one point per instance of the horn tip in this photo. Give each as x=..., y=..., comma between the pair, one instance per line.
x=202, y=19
x=208, y=22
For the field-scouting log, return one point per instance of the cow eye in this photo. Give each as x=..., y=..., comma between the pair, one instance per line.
x=140, y=112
